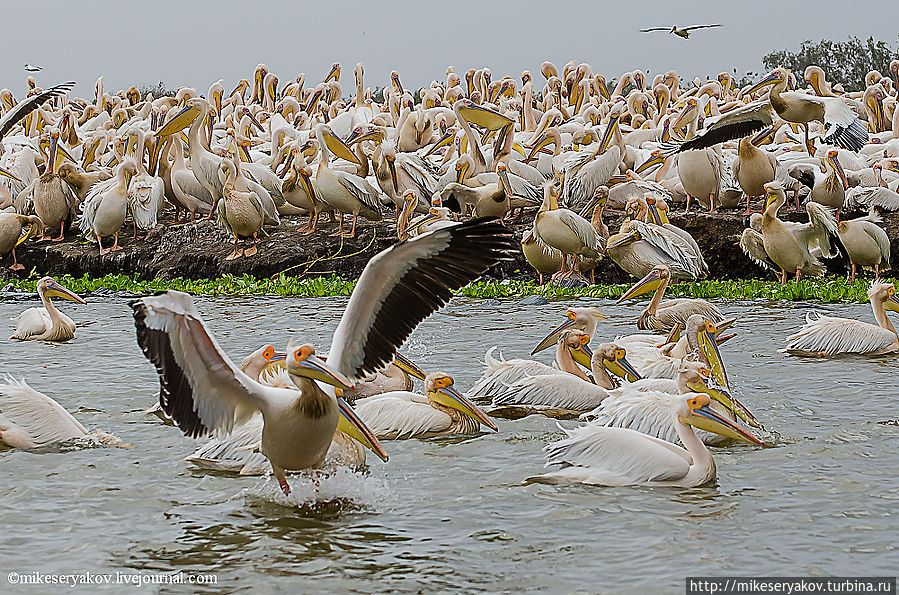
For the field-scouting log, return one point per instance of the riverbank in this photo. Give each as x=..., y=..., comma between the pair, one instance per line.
x=196, y=251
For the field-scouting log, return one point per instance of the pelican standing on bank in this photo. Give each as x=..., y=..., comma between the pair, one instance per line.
x=103, y=211
x=47, y=323
x=11, y=227
x=204, y=391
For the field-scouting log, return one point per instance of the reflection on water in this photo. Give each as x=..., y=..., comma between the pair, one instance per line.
x=454, y=514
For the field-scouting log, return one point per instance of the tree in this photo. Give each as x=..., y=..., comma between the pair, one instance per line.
x=844, y=62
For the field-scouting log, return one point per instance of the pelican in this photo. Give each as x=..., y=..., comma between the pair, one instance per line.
x=566, y=231
x=825, y=336
x=639, y=247
x=400, y=415
x=567, y=391
x=240, y=212
x=11, y=227
x=829, y=189
x=683, y=32
x=103, y=211
x=545, y=261
x=753, y=169
x=54, y=200
x=601, y=455
x=204, y=391
x=30, y=419
x=584, y=319
x=844, y=127
x=866, y=244
x=47, y=323
x=661, y=316
x=395, y=377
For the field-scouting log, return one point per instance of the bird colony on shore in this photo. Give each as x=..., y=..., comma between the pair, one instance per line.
x=470, y=147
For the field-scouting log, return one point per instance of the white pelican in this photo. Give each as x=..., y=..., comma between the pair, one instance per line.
x=866, y=244
x=11, y=227
x=683, y=32
x=400, y=415
x=47, y=323
x=567, y=391
x=240, y=212
x=29, y=419
x=661, y=316
x=639, y=247
x=844, y=127
x=53, y=199
x=204, y=391
x=828, y=335
x=601, y=455
x=566, y=231
x=103, y=211
x=397, y=376
x=583, y=319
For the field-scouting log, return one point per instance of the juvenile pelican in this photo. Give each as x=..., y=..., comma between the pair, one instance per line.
x=11, y=227
x=661, y=316
x=400, y=415
x=240, y=212
x=47, y=323
x=204, y=391
x=828, y=335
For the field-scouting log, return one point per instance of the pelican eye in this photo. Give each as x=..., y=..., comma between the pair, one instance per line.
x=303, y=353
x=705, y=372
x=620, y=353
x=269, y=352
x=570, y=314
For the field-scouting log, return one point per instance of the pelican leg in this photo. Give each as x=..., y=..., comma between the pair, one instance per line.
x=687, y=209
x=115, y=244
x=212, y=208
x=876, y=268
x=102, y=249
x=339, y=231
x=60, y=238
x=352, y=233
x=15, y=265
x=539, y=276
x=852, y=273
x=712, y=209
x=798, y=275
x=252, y=250
x=783, y=276
x=282, y=480
x=238, y=252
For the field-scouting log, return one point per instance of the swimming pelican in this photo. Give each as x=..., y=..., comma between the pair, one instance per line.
x=395, y=377
x=661, y=316
x=47, y=323
x=11, y=227
x=103, y=211
x=601, y=455
x=828, y=335
x=401, y=415
x=583, y=319
x=844, y=128
x=204, y=391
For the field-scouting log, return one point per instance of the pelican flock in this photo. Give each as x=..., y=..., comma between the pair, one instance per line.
x=468, y=177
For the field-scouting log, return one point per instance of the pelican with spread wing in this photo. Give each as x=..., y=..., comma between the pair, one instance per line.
x=683, y=32
x=204, y=392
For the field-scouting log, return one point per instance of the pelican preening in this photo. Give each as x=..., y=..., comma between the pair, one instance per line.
x=204, y=391
x=683, y=32
x=47, y=323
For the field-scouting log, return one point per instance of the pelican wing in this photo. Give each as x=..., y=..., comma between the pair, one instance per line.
x=876, y=233
x=831, y=335
x=29, y=418
x=584, y=231
x=564, y=391
x=237, y=452
x=419, y=172
x=844, y=128
x=28, y=105
x=403, y=285
x=581, y=182
x=736, y=123
x=362, y=190
x=501, y=372
x=199, y=386
x=753, y=246
x=671, y=245
x=620, y=453
x=821, y=229
x=400, y=414
x=645, y=412
x=655, y=29
x=872, y=196
x=694, y=27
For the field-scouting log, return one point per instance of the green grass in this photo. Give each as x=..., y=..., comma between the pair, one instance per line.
x=826, y=290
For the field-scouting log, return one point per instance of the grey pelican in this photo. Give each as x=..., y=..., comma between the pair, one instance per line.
x=828, y=335
x=204, y=391
x=240, y=212
x=662, y=316
x=11, y=227
x=47, y=323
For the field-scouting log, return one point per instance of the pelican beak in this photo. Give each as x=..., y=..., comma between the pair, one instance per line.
x=391, y=165
x=360, y=134
x=313, y=101
x=54, y=289
x=315, y=368
x=835, y=162
x=892, y=303
x=650, y=282
x=763, y=136
x=553, y=337
x=426, y=219
x=446, y=139
x=710, y=348
x=582, y=354
x=33, y=230
x=607, y=135
x=484, y=117
x=339, y=148
x=256, y=122
x=673, y=334
x=770, y=79
x=179, y=121
x=542, y=141
x=683, y=115
x=723, y=396
x=407, y=366
x=54, y=145
x=450, y=397
x=654, y=212
x=621, y=367
x=656, y=159
x=504, y=180
x=518, y=149
x=306, y=183
x=333, y=74
x=594, y=202
x=461, y=168
x=9, y=175
x=722, y=339
x=724, y=325
x=705, y=418
x=350, y=424
x=625, y=240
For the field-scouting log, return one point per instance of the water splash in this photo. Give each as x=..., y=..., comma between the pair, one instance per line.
x=316, y=492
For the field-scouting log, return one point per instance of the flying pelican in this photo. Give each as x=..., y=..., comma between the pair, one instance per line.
x=567, y=391
x=844, y=127
x=11, y=227
x=683, y=32
x=601, y=455
x=33, y=68
x=47, y=323
x=204, y=391
x=661, y=316
x=103, y=211
x=400, y=415
x=828, y=335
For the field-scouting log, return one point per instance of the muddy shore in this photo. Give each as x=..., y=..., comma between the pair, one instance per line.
x=198, y=250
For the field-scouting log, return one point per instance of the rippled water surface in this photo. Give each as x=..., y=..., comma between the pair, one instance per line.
x=453, y=514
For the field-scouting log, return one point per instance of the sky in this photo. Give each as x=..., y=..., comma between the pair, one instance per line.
x=197, y=43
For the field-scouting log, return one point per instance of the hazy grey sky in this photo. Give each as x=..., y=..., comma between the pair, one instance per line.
x=196, y=43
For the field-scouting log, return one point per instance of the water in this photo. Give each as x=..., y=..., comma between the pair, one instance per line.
x=452, y=514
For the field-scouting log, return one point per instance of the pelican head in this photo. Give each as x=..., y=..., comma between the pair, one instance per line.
x=577, y=343
x=625, y=239
x=503, y=175
x=439, y=387
x=778, y=76
x=335, y=144
x=584, y=319
x=615, y=361
x=886, y=294
x=651, y=282
x=655, y=159
x=833, y=159
x=696, y=411
x=50, y=288
x=302, y=361
x=182, y=119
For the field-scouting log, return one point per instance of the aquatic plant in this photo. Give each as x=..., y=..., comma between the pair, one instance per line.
x=827, y=290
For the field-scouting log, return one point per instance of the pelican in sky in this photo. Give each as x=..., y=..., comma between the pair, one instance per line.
x=683, y=32
x=203, y=391
x=828, y=335
x=47, y=323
